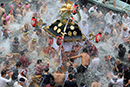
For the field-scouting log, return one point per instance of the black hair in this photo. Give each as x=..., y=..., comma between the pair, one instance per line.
x=120, y=46
x=3, y=72
x=129, y=51
x=2, y=4
x=18, y=64
x=129, y=31
x=33, y=17
x=111, y=26
x=97, y=10
x=46, y=69
x=126, y=13
x=59, y=86
x=120, y=22
x=52, y=83
x=4, y=22
x=39, y=61
x=120, y=75
x=113, y=17
x=82, y=84
x=125, y=66
x=97, y=79
x=16, y=38
x=6, y=62
x=3, y=13
x=70, y=69
x=70, y=76
x=22, y=53
x=85, y=50
x=39, y=30
x=22, y=80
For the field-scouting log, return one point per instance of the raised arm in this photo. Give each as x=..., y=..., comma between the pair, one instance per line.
x=73, y=57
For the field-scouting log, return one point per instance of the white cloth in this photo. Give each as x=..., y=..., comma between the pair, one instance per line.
x=124, y=33
x=16, y=85
x=92, y=9
x=54, y=45
x=95, y=64
x=108, y=18
x=85, y=29
x=107, y=30
x=125, y=20
x=3, y=81
x=119, y=82
x=67, y=46
x=26, y=80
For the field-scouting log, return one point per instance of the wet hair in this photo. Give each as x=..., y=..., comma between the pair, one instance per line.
x=129, y=51
x=3, y=72
x=59, y=69
x=129, y=31
x=94, y=55
x=52, y=83
x=120, y=22
x=97, y=10
x=125, y=66
x=18, y=64
x=46, y=69
x=126, y=13
x=22, y=53
x=39, y=30
x=39, y=61
x=4, y=22
x=111, y=26
x=85, y=50
x=82, y=84
x=120, y=75
x=120, y=46
x=113, y=17
x=2, y=4
x=59, y=86
x=70, y=76
x=70, y=69
x=117, y=61
x=6, y=62
x=16, y=38
x=97, y=79
x=22, y=80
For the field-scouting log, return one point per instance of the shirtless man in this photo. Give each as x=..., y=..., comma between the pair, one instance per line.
x=43, y=9
x=26, y=10
x=2, y=10
x=3, y=17
x=85, y=60
x=19, y=9
x=11, y=16
x=59, y=76
x=17, y=2
x=25, y=37
x=32, y=45
x=96, y=83
x=25, y=27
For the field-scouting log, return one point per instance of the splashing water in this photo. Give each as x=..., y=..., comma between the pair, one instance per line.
x=49, y=17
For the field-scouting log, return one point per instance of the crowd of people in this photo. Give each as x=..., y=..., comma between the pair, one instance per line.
x=108, y=28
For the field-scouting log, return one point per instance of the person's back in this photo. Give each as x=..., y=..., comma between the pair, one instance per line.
x=59, y=76
x=96, y=84
x=85, y=59
x=15, y=71
x=46, y=77
x=70, y=82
